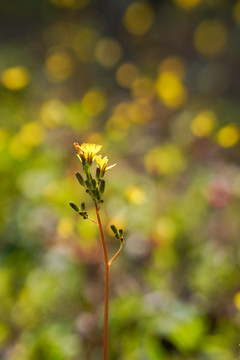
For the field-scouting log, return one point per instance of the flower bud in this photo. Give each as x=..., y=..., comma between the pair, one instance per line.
x=120, y=232
x=87, y=183
x=74, y=206
x=80, y=178
x=102, y=187
x=83, y=207
x=94, y=183
x=114, y=229
x=98, y=173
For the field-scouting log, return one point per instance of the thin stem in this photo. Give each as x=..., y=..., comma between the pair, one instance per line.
x=92, y=221
x=117, y=253
x=105, y=331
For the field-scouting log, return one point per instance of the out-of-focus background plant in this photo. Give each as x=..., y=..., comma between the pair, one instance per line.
x=157, y=84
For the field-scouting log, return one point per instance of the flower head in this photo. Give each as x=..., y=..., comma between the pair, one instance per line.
x=87, y=152
x=102, y=164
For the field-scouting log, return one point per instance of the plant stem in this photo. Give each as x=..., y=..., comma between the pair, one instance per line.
x=92, y=221
x=114, y=257
x=105, y=331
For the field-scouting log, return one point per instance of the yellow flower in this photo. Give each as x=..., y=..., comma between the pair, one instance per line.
x=87, y=152
x=102, y=164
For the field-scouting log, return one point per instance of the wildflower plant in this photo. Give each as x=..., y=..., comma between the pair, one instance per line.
x=95, y=186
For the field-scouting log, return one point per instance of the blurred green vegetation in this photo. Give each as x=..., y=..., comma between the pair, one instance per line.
x=157, y=84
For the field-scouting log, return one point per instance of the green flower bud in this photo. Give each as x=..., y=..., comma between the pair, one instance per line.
x=114, y=229
x=80, y=178
x=83, y=214
x=87, y=183
x=74, y=206
x=83, y=207
x=120, y=232
x=94, y=183
x=98, y=173
x=102, y=187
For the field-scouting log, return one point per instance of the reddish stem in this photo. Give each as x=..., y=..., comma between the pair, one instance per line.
x=105, y=331
x=114, y=257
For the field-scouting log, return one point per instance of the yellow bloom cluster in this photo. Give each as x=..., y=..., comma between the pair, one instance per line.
x=87, y=153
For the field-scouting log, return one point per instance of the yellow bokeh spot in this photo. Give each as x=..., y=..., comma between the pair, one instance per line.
x=117, y=121
x=15, y=78
x=165, y=230
x=143, y=88
x=84, y=43
x=170, y=90
x=166, y=159
x=236, y=300
x=173, y=64
x=3, y=139
x=126, y=113
x=138, y=18
x=17, y=149
x=228, y=136
x=59, y=66
x=140, y=112
x=52, y=113
x=108, y=52
x=203, y=123
x=122, y=108
x=94, y=102
x=210, y=38
x=126, y=74
x=187, y=4
x=72, y=4
x=32, y=134
x=236, y=11
x=135, y=195
x=65, y=227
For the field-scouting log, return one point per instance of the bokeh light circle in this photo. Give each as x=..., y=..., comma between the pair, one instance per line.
x=210, y=37
x=108, y=52
x=138, y=18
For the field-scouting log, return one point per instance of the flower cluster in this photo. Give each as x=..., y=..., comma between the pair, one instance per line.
x=94, y=186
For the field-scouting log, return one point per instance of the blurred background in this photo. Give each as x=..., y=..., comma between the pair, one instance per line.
x=157, y=84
